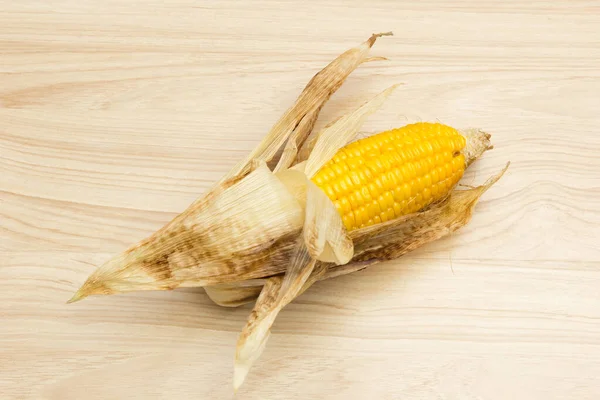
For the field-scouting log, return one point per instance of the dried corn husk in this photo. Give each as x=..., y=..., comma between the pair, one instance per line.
x=235, y=294
x=267, y=234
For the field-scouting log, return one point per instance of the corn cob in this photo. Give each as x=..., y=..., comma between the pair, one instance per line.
x=393, y=173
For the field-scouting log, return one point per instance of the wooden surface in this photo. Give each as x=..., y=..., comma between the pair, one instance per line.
x=115, y=115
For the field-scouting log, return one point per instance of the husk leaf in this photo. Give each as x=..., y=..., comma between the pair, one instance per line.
x=338, y=134
x=305, y=110
x=256, y=332
x=324, y=233
x=235, y=294
x=296, y=139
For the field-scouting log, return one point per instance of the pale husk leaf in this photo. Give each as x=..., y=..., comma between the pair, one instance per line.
x=296, y=140
x=306, y=108
x=255, y=334
x=309, y=144
x=235, y=294
x=257, y=330
x=300, y=267
x=338, y=134
x=324, y=233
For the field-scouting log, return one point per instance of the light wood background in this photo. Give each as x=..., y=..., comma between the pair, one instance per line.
x=115, y=115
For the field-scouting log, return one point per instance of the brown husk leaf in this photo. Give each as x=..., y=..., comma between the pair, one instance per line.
x=244, y=231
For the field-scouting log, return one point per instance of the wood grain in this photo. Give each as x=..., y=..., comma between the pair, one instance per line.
x=115, y=115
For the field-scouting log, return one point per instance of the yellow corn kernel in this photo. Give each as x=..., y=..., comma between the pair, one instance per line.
x=397, y=208
x=393, y=173
x=349, y=222
x=340, y=189
x=441, y=171
x=448, y=168
x=356, y=200
x=346, y=181
x=419, y=199
x=427, y=180
x=435, y=176
x=386, y=200
x=373, y=190
x=373, y=209
x=379, y=184
x=354, y=163
x=338, y=206
x=391, y=214
x=345, y=206
x=329, y=192
x=418, y=185
x=389, y=181
x=366, y=194
x=337, y=168
x=360, y=216
x=427, y=195
x=383, y=216
x=406, y=190
x=357, y=177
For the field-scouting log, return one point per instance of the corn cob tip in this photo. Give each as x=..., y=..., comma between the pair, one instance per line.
x=478, y=142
